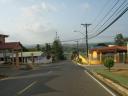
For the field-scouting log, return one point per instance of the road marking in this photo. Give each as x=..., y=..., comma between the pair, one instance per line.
x=108, y=90
x=27, y=76
x=26, y=88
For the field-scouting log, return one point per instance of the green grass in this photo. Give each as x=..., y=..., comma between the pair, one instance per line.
x=120, y=79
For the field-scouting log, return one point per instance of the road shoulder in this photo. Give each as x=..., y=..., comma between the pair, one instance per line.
x=114, y=86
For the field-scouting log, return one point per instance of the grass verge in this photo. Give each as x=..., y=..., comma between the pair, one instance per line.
x=114, y=76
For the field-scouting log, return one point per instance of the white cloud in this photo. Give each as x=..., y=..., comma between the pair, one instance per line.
x=85, y=6
x=34, y=28
x=30, y=26
x=4, y=1
x=38, y=9
x=35, y=31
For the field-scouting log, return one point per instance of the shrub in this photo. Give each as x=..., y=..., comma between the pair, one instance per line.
x=29, y=66
x=109, y=62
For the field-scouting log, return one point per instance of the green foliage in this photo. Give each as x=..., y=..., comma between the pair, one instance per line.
x=101, y=44
x=119, y=40
x=48, y=48
x=118, y=78
x=32, y=49
x=109, y=62
x=38, y=47
x=57, y=50
x=24, y=49
x=74, y=55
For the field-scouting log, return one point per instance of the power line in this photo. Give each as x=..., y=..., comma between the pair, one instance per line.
x=78, y=39
x=101, y=11
x=73, y=40
x=106, y=14
x=112, y=15
x=122, y=8
x=126, y=9
x=120, y=15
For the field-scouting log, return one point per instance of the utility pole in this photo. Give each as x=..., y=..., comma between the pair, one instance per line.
x=77, y=46
x=56, y=36
x=86, y=26
x=127, y=51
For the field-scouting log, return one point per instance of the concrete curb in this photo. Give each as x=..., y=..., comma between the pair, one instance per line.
x=118, y=88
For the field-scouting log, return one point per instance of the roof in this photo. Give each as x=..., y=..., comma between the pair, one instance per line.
x=126, y=39
x=11, y=45
x=1, y=35
x=29, y=54
x=111, y=49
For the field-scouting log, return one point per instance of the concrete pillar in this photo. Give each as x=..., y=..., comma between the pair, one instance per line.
x=32, y=58
x=12, y=57
x=117, y=58
x=100, y=57
x=124, y=57
x=21, y=57
x=4, y=55
x=17, y=60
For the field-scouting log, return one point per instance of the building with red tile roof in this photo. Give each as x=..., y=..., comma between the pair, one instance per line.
x=7, y=49
x=111, y=49
x=118, y=53
x=11, y=46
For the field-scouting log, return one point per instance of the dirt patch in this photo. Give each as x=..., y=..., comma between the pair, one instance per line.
x=3, y=76
x=123, y=72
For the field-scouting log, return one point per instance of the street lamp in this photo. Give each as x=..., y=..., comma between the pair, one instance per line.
x=79, y=32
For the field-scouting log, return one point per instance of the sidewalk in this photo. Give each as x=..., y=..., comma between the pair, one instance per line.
x=9, y=71
x=101, y=66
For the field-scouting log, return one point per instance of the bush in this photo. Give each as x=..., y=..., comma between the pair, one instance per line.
x=109, y=62
x=29, y=66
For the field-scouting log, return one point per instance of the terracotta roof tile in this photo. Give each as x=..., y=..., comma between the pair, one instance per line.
x=11, y=45
x=111, y=49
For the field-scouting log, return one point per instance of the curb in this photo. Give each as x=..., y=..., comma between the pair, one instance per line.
x=116, y=87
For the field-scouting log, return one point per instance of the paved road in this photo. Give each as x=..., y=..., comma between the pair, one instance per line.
x=62, y=79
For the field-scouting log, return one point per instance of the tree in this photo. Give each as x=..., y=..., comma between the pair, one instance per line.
x=119, y=39
x=24, y=49
x=38, y=47
x=102, y=44
x=47, y=48
x=74, y=55
x=109, y=62
x=57, y=50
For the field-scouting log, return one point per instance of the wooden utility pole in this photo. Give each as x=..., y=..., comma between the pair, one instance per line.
x=86, y=26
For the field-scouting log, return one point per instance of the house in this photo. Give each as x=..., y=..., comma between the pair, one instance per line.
x=35, y=57
x=118, y=53
x=7, y=49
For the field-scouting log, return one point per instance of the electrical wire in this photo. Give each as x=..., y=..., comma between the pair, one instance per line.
x=126, y=9
x=106, y=14
x=101, y=11
x=112, y=15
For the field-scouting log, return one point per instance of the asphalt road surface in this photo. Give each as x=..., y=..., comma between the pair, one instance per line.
x=60, y=79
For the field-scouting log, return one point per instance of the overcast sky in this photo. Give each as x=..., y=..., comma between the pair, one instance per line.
x=37, y=21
